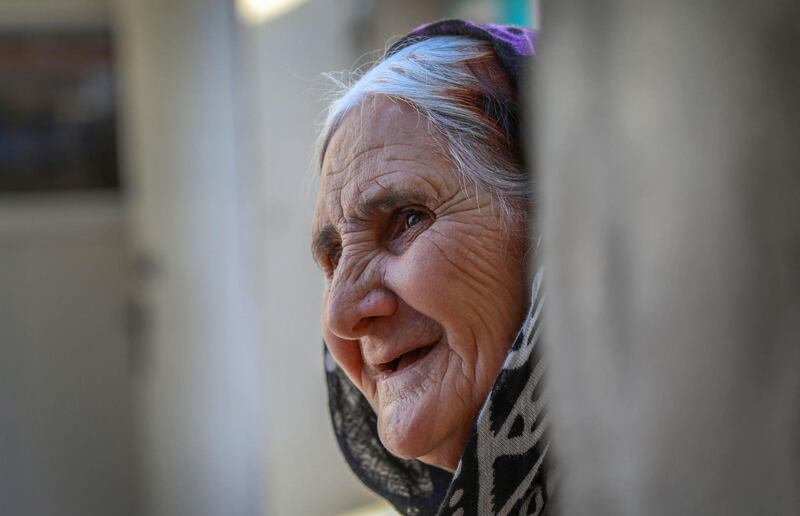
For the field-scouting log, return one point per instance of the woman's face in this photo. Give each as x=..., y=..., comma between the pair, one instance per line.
x=426, y=287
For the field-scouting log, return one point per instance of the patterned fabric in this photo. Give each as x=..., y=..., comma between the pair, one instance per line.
x=504, y=469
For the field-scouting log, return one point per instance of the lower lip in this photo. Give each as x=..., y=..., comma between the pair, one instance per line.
x=421, y=363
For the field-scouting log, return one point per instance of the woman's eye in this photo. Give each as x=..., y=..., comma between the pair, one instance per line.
x=412, y=218
x=409, y=222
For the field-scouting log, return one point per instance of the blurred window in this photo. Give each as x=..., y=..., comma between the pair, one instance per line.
x=57, y=111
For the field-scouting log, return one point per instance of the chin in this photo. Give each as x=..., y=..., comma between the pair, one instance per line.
x=414, y=433
x=420, y=415
x=404, y=436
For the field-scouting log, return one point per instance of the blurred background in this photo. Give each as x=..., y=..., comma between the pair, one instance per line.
x=160, y=351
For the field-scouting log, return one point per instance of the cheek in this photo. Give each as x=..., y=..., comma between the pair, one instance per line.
x=459, y=280
x=429, y=281
x=421, y=277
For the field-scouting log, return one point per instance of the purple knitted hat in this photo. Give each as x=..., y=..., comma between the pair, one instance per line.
x=512, y=44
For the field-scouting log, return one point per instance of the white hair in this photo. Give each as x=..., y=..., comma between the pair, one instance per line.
x=457, y=84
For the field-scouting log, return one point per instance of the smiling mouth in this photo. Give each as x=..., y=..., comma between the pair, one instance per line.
x=405, y=360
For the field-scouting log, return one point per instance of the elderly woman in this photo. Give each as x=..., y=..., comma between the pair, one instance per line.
x=429, y=312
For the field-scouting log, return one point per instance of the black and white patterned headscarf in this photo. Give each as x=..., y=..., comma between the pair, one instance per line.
x=504, y=469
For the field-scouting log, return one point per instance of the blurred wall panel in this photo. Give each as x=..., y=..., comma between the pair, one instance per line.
x=200, y=398
x=66, y=438
x=668, y=155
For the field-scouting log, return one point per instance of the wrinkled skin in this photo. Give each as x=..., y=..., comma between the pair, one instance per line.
x=414, y=260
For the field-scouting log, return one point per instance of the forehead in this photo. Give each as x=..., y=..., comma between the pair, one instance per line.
x=381, y=144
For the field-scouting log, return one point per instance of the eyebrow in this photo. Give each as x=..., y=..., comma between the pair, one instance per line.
x=387, y=200
x=368, y=208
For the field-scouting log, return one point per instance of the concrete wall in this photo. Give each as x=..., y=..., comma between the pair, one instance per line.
x=668, y=158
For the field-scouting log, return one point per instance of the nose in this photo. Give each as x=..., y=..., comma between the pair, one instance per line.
x=355, y=303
